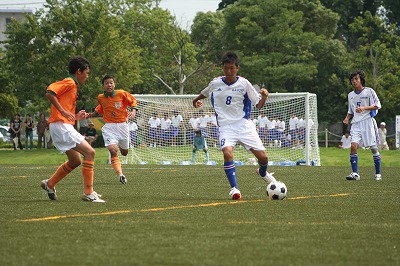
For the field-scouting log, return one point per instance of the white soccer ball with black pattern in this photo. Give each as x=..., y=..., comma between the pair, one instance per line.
x=276, y=190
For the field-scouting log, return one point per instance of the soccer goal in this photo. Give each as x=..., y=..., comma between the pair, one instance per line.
x=164, y=128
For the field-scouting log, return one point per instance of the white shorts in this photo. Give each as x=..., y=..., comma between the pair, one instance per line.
x=116, y=133
x=243, y=132
x=64, y=136
x=365, y=133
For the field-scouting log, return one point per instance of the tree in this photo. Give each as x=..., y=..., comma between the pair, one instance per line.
x=378, y=54
x=39, y=49
x=8, y=102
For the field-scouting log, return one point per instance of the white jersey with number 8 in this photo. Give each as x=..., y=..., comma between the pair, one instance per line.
x=231, y=102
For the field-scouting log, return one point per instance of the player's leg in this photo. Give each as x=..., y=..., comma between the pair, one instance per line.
x=207, y=155
x=88, y=153
x=228, y=139
x=112, y=136
x=356, y=137
x=193, y=154
x=370, y=137
x=251, y=141
x=230, y=171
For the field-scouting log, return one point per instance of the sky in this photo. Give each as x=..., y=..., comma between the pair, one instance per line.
x=184, y=10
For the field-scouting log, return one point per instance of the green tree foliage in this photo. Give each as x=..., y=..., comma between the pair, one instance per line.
x=378, y=55
x=289, y=46
x=224, y=3
x=8, y=101
x=40, y=48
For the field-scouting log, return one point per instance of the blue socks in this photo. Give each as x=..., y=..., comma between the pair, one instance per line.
x=230, y=171
x=377, y=163
x=262, y=170
x=354, y=162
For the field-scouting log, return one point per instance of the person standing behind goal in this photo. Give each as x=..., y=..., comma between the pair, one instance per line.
x=363, y=107
x=232, y=97
x=113, y=106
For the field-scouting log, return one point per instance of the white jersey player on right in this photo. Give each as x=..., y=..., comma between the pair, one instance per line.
x=363, y=107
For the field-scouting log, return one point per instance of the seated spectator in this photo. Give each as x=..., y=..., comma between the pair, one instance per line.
x=90, y=133
x=345, y=142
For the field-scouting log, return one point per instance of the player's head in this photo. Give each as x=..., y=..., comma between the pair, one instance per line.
x=358, y=73
x=230, y=57
x=230, y=65
x=79, y=67
x=108, y=84
x=198, y=132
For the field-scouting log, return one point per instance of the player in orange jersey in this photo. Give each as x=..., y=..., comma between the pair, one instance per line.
x=62, y=95
x=113, y=106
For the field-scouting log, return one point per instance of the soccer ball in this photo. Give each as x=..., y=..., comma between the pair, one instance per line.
x=276, y=190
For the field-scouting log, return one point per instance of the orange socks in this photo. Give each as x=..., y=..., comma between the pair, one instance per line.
x=88, y=174
x=116, y=164
x=61, y=172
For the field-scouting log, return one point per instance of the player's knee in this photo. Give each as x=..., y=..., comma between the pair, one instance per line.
x=124, y=152
x=374, y=149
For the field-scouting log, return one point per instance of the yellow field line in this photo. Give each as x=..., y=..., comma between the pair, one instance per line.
x=212, y=204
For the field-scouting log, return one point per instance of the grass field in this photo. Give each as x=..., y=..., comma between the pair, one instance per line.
x=182, y=215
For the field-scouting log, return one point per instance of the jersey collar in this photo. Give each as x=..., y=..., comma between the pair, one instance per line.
x=112, y=94
x=72, y=77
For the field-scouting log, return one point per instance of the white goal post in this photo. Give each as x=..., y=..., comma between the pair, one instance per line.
x=286, y=143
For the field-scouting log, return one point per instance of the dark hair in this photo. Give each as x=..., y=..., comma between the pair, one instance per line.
x=230, y=57
x=106, y=77
x=360, y=73
x=78, y=62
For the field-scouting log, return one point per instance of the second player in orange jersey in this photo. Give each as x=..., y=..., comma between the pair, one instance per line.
x=113, y=106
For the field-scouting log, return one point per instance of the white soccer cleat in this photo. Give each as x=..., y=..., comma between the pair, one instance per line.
x=353, y=176
x=378, y=177
x=269, y=178
x=51, y=193
x=94, y=197
x=235, y=194
x=123, y=179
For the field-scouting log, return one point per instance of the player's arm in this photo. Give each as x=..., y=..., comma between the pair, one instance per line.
x=366, y=108
x=132, y=113
x=347, y=118
x=197, y=101
x=53, y=99
x=264, y=96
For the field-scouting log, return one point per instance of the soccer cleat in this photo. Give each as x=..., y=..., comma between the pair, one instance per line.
x=235, y=194
x=50, y=192
x=267, y=178
x=353, y=176
x=123, y=179
x=94, y=197
x=378, y=177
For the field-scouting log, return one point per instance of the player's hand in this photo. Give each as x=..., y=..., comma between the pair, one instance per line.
x=131, y=115
x=359, y=109
x=264, y=93
x=81, y=115
x=198, y=104
x=70, y=116
x=345, y=121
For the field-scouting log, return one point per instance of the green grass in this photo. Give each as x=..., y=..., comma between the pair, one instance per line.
x=181, y=215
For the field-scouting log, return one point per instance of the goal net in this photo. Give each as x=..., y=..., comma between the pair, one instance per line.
x=164, y=128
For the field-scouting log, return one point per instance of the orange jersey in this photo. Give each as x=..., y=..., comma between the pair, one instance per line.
x=114, y=108
x=66, y=92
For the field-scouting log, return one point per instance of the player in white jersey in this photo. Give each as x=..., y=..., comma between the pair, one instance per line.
x=232, y=97
x=363, y=107
x=176, y=121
